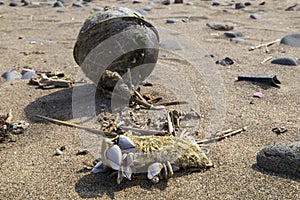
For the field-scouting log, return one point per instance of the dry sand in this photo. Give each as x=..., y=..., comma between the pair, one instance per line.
x=28, y=169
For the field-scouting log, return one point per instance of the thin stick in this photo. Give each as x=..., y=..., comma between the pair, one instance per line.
x=264, y=45
x=210, y=140
x=141, y=100
x=172, y=103
x=60, y=122
x=170, y=124
x=143, y=131
x=266, y=60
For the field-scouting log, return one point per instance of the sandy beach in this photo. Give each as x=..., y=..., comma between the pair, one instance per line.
x=42, y=37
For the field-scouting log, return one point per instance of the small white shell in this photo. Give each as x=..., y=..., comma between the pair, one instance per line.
x=126, y=144
x=113, y=157
x=99, y=168
x=154, y=169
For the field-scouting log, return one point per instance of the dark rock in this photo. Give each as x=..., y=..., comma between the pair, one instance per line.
x=13, y=4
x=58, y=4
x=88, y=1
x=220, y=26
x=1, y=3
x=285, y=61
x=232, y=34
x=248, y=3
x=226, y=61
x=170, y=45
x=78, y=5
x=12, y=75
x=28, y=75
x=291, y=40
x=173, y=21
x=137, y=1
x=255, y=16
x=239, y=6
x=281, y=158
x=166, y=2
x=262, y=3
x=62, y=148
x=178, y=1
x=25, y=2
x=215, y=4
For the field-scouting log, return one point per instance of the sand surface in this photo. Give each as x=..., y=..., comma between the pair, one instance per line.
x=28, y=169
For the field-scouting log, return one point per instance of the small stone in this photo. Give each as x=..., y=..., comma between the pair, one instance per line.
x=147, y=8
x=291, y=40
x=285, y=61
x=262, y=3
x=248, y=3
x=258, y=95
x=1, y=2
x=283, y=158
x=98, y=8
x=37, y=4
x=12, y=75
x=137, y=1
x=173, y=21
x=232, y=34
x=178, y=1
x=170, y=45
x=279, y=130
x=226, y=61
x=13, y=4
x=78, y=5
x=255, y=16
x=87, y=1
x=82, y=152
x=215, y=4
x=239, y=6
x=220, y=26
x=62, y=148
x=165, y=2
x=28, y=75
x=58, y=4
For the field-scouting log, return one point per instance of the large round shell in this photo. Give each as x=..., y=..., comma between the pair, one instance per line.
x=116, y=39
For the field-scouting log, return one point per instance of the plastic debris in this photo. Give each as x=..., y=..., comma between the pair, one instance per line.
x=260, y=78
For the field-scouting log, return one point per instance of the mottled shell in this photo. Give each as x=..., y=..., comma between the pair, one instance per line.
x=130, y=29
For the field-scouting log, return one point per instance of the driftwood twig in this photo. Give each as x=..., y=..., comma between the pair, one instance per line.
x=70, y=124
x=264, y=45
x=221, y=136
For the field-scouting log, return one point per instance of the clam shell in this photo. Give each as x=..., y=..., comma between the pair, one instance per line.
x=113, y=157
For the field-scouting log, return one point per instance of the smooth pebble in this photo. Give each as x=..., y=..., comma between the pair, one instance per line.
x=78, y=5
x=166, y=2
x=13, y=4
x=137, y=1
x=285, y=61
x=221, y=26
x=248, y=3
x=239, y=6
x=1, y=2
x=291, y=40
x=98, y=8
x=178, y=1
x=58, y=4
x=147, y=8
x=215, y=4
x=255, y=16
x=232, y=34
x=173, y=21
